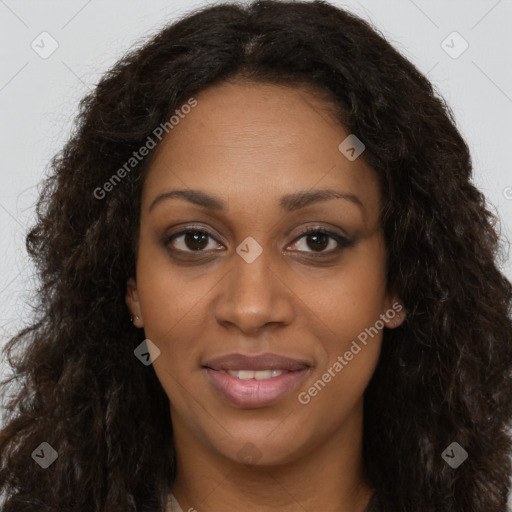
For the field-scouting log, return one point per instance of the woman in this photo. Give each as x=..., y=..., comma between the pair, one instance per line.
x=267, y=282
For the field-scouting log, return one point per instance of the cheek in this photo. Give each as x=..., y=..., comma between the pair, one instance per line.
x=173, y=320
x=347, y=315
x=351, y=346
x=352, y=300
x=331, y=398
x=171, y=297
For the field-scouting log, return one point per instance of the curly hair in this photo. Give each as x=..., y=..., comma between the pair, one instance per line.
x=443, y=376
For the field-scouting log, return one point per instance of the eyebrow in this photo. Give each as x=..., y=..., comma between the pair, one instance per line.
x=288, y=202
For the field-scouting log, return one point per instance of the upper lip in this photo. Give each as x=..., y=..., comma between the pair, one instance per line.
x=262, y=362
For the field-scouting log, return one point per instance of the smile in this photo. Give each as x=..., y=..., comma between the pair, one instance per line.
x=253, y=389
x=258, y=375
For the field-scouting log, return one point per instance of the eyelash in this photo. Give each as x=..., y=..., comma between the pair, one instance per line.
x=342, y=241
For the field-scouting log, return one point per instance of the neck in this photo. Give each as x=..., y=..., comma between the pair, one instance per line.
x=329, y=477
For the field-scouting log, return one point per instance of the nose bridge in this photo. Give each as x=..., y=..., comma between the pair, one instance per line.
x=252, y=295
x=252, y=273
x=252, y=282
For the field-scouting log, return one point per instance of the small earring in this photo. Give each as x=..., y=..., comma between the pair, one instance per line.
x=131, y=318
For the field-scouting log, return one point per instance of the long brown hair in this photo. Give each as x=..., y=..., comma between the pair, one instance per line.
x=443, y=376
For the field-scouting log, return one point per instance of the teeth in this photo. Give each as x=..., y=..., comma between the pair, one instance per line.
x=258, y=375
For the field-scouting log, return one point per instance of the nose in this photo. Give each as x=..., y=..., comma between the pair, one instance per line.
x=252, y=295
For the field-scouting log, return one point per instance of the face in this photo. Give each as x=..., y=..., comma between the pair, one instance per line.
x=225, y=274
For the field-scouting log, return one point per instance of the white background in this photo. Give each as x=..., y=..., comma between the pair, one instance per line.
x=39, y=97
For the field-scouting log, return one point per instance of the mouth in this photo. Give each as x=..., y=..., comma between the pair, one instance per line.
x=264, y=362
x=255, y=381
x=257, y=375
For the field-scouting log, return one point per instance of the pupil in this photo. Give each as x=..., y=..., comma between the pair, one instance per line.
x=324, y=239
x=194, y=238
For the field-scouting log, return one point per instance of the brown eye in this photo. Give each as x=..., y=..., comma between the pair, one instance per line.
x=190, y=240
x=312, y=241
x=318, y=240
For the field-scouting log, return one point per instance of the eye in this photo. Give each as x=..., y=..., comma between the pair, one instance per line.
x=190, y=240
x=318, y=239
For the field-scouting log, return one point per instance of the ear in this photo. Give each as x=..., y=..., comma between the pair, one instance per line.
x=394, y=314
x=133, y=303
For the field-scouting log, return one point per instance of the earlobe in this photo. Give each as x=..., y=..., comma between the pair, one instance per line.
x=133, y=303
x=395, y=315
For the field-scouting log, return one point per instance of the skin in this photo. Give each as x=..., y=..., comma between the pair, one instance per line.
x=249, y=144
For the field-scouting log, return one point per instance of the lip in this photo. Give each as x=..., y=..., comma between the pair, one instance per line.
x=265, y=361
x=251, y=393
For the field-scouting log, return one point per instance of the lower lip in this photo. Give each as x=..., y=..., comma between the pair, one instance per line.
x=253, y=393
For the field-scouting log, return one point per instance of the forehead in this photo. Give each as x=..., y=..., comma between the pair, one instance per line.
x=260, y=140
